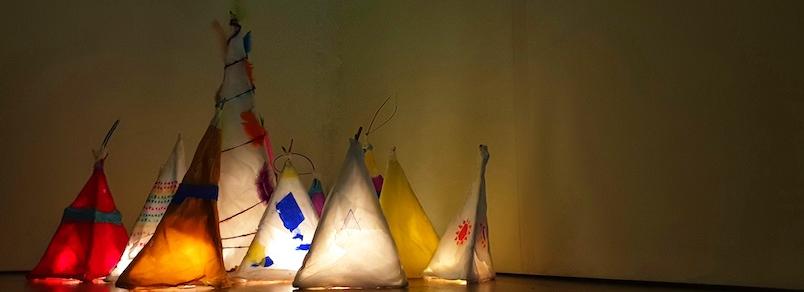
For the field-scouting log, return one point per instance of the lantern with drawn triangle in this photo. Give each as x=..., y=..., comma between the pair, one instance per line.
x=353, y=246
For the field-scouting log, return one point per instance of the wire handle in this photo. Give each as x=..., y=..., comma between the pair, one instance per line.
x=101, y=153
x=288, y=152
x=371, y=128
x=109, y=134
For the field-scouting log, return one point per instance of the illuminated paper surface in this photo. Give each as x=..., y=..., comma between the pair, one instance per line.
x=156, y=204
x=186, y=246
x=285, y=233
x=415, y=238
x=317, y=196
x=353, y=246
x=247, y=178
x=463, y=252
x=90, y=238
x=373, y=170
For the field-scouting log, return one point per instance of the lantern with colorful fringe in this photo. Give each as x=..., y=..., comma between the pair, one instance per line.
x=170, y=175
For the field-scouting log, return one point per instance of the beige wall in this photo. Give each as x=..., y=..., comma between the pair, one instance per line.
x=662, y=140
x=629, y=140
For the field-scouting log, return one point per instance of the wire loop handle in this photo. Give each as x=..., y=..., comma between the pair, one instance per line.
x=371, y=128
x=288, y=154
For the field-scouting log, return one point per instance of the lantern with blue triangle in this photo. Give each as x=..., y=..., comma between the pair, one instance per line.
x=285, y=233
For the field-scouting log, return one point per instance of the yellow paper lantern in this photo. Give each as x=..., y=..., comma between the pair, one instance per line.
x=415, y=238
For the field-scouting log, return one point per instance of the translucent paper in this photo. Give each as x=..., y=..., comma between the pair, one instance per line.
x=415, y=238
x=317, y=196
x=186, y=247
x=247, y=178
x=353, y=246
x=156, y=204
x=463, y=252
x=89, y=239
x=285, y=233
x=371, y=165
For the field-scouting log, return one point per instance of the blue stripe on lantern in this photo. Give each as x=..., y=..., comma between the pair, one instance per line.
x=204, y=192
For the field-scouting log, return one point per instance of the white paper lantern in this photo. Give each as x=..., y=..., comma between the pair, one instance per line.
x=246, y=173
x=353, y=246
x=463, y=251
x=285, y=233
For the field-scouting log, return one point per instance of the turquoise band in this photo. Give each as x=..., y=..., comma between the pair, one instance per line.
x=87, y=214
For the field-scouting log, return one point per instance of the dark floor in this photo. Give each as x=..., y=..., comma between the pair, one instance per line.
x=503, y=283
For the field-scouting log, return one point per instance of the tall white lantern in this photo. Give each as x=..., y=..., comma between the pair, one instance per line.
x=246, y=174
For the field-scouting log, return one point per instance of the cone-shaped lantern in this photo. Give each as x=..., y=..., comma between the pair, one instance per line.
x=353, y=246
x=463, y=252
x=90, y=238
x=415, y=238
x=373, y=170
x=247, y=177
x=317, y=195
x=167, y=182
x=284, y=235
x=186, y=246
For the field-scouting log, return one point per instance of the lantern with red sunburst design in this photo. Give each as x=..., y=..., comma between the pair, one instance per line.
x=466, y=256
x=483, y=235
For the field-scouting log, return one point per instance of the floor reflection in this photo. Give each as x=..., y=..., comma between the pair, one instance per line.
x=504, y=283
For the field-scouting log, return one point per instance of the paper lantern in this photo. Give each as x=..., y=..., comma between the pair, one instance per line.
x=371, y=165
x=317, y=195
x=247, y=178
x=353, y=246
x=186, y=246
x=415, y=238
x=463, y=252
x=285, y=233
x=91, y=237
x=170, y=174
